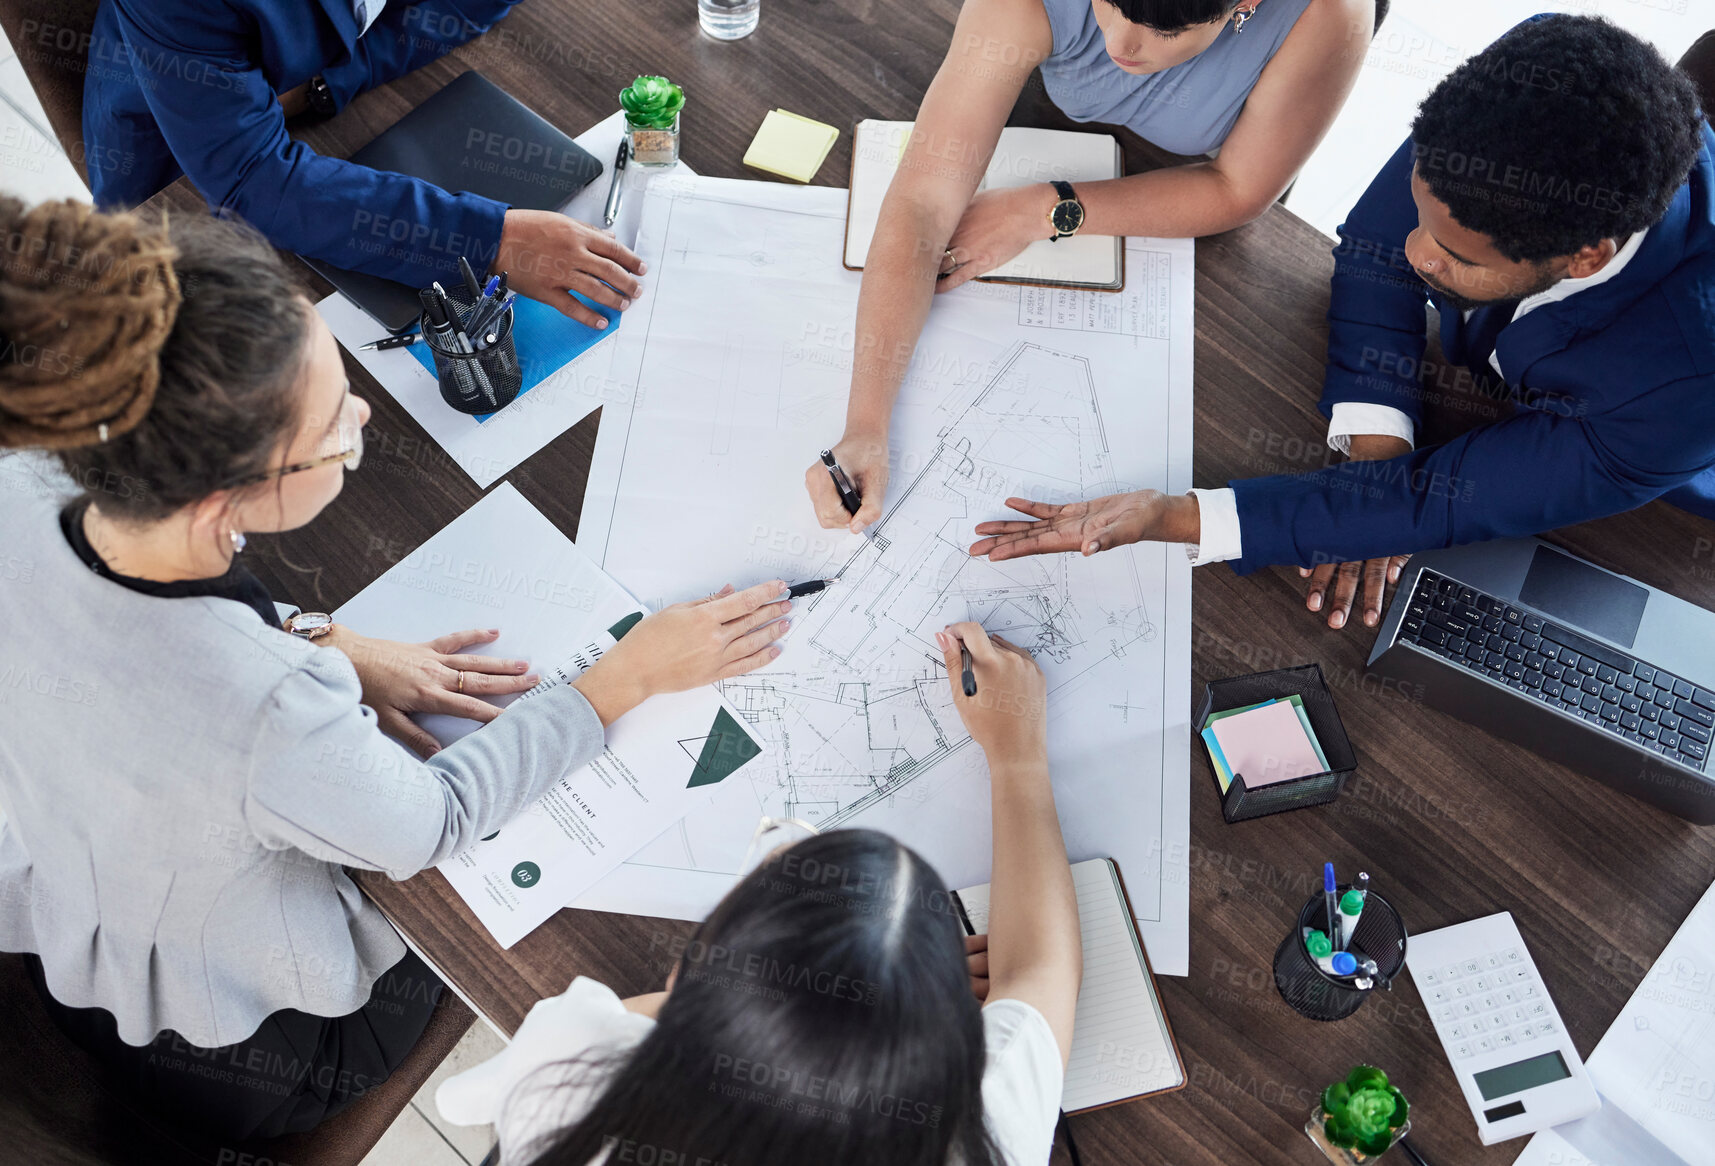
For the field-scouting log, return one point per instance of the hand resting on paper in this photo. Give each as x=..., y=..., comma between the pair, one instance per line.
x=863, y=456
x=543, y=253
x=688, y=645
x=400, y=679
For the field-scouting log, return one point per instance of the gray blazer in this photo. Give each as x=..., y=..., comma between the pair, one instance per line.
x=181, y=784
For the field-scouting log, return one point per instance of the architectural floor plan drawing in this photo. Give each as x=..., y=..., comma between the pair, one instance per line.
x=698, y=480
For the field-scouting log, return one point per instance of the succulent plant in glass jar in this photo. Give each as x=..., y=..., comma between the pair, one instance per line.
x=1360, y=1118
x=652, y=106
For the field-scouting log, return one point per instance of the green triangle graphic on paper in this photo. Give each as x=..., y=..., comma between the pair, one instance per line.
x=618, y=630
x=723, y=751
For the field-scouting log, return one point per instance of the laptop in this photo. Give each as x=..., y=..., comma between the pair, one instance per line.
x=472, y=136
x=1608, y=676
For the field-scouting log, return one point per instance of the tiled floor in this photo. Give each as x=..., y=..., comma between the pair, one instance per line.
x=420, y=1137
x=1420, y=43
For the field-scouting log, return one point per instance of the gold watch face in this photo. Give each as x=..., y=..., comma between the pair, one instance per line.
x=1067, y=216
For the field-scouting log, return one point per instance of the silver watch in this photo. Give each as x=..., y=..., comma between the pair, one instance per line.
x=309, y=624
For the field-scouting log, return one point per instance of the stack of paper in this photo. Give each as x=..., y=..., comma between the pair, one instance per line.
x=1268, y=742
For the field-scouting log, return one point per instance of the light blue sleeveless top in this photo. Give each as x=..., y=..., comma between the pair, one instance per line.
x=1188, y=109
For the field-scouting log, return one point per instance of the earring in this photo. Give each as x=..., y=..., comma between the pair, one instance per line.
x=1240, y=17
x=238, y=540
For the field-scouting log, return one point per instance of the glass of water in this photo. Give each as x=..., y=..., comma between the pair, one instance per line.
x=729, y=19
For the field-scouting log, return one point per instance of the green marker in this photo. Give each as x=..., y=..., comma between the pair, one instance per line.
x=1321, y=949
x=1351, y=907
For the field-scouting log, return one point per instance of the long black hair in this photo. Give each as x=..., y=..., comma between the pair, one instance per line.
x=822, y=1014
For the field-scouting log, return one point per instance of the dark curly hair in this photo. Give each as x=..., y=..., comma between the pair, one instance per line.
x=1174, y=15
x=1566, y=131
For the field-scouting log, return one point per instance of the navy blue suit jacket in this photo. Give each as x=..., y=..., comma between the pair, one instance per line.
x=1614, y=390
x=190, y=86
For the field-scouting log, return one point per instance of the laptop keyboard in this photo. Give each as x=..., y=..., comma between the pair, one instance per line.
x=1555, y=665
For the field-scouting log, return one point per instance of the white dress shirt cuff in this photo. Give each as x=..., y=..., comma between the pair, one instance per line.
x=1218, y=514
x=1356, y=417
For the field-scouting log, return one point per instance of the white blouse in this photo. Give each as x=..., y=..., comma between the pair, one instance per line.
x=1021, y=1083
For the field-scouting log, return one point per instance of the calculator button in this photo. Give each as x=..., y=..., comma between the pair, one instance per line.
x=1446, y=1014
x=1491, y=962
x=1439, y=996
x=1470, y=967
x=1467, y=1008
x=1452, y=972
x=1463, y=1051
x=1509, y=996
x=1482, y=984
x=1484, y=1044
x=1545, y=1026
x=1520, y=975
x=1458, y=1031
x=1516, y=1015
x=1538, y=1010
x=1490, y=1002
x=1512, y=956
x=1461, y=989
x=1530, y=991
x=1504, y=1040
x=1431, y=978
x=1526, y=1032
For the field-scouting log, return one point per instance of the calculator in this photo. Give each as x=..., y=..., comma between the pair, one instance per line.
x=1514, y=1060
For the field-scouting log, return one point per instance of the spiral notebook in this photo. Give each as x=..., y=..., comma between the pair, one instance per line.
x=1023, y=156
x=1122, y=1045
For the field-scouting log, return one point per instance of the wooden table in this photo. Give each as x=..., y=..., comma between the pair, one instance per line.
x=1451, y=823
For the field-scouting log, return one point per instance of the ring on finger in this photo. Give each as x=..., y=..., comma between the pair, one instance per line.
x=461, y=682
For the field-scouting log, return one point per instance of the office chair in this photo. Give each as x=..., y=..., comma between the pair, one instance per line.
x=51, y=38
x=1698, y=63
x=58, y=1107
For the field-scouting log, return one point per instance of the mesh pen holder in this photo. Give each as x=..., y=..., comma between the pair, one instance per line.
x=1239, y=802
x=480, y=382
x=1319, y=995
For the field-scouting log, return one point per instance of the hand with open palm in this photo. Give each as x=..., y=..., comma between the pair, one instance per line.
x=1088, y=527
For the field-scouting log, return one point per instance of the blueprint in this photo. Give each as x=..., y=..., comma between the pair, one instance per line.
x=736, y=367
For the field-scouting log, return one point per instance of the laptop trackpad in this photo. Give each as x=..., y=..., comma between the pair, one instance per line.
x=1584, y=596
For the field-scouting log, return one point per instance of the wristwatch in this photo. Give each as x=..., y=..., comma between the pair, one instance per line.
x=1067, y=215
x=320, y=97
x=309, y=624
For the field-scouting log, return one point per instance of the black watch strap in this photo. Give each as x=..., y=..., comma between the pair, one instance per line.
x=320, y=97
x=1063, y=189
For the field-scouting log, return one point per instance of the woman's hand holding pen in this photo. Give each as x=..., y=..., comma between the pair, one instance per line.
x=688, y=645
x=1008, y=716
x=863, y=457
x=436, y=677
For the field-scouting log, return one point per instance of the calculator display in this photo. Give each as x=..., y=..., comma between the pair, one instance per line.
x=1521, y=1075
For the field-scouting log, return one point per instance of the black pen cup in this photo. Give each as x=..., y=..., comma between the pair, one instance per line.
x=1319, y=995
x=486, y=380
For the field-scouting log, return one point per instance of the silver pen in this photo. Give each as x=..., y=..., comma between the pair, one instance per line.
x=611, y=212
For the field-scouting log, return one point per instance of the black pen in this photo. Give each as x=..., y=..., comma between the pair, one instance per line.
x=967, y=677
x=386, y=342
x=611, y=211
x=810, y=587
x=470, y=281
x=1411, y=1152
x=848, y=496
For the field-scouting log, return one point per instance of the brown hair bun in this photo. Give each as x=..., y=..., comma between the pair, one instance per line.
x=87, y=300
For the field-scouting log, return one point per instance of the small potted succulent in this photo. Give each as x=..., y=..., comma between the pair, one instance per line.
x=1360, y=1118
x=652, y=106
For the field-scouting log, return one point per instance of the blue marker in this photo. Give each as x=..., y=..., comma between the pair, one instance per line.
x=1328, y=887
x=1345, y=964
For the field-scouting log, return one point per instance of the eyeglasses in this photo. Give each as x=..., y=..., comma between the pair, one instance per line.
x=773, y=834
x=342, y=443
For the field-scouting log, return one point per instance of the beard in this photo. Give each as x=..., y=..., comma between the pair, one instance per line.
x=1542, y=278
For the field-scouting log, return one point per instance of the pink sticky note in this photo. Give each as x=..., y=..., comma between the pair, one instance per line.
x=1267, y=745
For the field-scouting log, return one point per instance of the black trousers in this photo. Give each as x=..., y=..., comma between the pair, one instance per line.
x=296, y=1071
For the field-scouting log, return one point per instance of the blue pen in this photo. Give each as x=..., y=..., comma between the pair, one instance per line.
x=1328, y=886
x=485, y=301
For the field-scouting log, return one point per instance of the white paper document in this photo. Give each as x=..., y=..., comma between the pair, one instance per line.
x=1655, y=1068
x=488, y=448
x=503, y=564
x=734, y=372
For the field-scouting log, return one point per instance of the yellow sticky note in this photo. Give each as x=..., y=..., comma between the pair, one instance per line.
x=791, y=145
